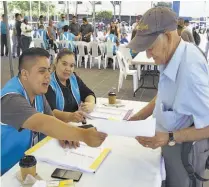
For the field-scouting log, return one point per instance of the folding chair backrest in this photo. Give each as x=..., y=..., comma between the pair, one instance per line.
x=94, y=48
x=81, y=50
x=126, y=53
x=39, y=43
x=66, y=44
x=109, y=48
x=120, y=61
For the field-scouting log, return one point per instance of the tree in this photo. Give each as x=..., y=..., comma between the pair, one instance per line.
x=164, y=4
x=104, y=15
x=23, y=7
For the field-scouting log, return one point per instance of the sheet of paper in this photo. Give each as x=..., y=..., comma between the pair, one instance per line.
x=127, y=128
x=110, y=112
x=80, y=158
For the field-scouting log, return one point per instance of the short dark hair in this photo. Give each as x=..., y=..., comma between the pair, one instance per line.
x=41, y=27
x=66, y=28
x=41, y=17
x=85, y=19
x=186, y=21
x=31, y=52
x=74, y=16
x=16, y=15
x=112, y=31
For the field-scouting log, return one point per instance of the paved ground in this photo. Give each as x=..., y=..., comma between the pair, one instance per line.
x=100, y=81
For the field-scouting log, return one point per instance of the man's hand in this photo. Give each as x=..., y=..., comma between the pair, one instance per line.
x=93, y=138
x=87, y=107
x=159, y=140
x=77, y=116
x=70, y=144
x=135, y=117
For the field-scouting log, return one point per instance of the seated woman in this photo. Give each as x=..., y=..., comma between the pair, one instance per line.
x=67, y=95
x=66, y=35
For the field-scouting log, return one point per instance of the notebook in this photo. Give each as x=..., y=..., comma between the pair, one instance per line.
x=84, y=158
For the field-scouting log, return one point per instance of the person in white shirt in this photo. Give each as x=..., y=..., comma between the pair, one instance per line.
x=26, y=34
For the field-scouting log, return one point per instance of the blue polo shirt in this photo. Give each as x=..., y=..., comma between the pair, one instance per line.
x=3, y=28
x=183, y=91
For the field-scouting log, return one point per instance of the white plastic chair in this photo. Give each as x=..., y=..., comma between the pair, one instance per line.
x=39, y=43
x=109, y=53
x=95, y=54
x=65, y=44
x=124, y=71
x=81, y=53
x=126, y=53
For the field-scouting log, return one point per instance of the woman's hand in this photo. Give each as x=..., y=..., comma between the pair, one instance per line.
x=87, y=107
x=77, y=116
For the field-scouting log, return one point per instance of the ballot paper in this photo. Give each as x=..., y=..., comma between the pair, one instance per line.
x=84, y=158
x=105, y=112
x=144, y=128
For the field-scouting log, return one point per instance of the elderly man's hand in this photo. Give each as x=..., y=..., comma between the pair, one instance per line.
x=159, y=140
x=70, y=144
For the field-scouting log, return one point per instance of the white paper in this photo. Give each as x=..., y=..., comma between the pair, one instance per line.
x=40, y=184
x=79, y=159
x=106, y=112
x=144, y=128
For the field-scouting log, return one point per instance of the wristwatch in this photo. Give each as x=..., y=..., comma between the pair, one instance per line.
x=171, y=141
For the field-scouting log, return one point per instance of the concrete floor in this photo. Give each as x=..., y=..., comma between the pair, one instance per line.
x=100, y=81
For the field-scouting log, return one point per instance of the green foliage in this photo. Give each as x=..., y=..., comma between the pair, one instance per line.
x=164, y=4
x=104, y=15
x=23, y=7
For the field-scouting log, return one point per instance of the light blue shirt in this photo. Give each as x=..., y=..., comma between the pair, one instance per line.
x=61, y=24
x=3, y=28
x=183, y=91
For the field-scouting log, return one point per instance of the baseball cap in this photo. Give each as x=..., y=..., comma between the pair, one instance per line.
x=26, y=18
x=154, y=22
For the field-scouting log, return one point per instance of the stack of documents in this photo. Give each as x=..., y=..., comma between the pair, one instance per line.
x=106, y=112
x=84, y=158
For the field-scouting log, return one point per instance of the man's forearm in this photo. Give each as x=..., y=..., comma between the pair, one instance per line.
x=61, y=115
x=51, y=126
x=191, y=134
x=147, y=110
x=90, y=99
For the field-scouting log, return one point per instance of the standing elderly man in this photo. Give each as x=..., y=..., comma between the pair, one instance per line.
x=181, y=107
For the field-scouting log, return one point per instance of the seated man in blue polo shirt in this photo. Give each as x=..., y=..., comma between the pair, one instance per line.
x=66, y=35
x=42, y=35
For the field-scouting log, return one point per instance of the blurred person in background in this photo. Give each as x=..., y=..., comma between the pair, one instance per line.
x=134, y=26
x=74, y=27
x=3, y=37
x=26, y=32
x=61, y=24
x=51, y=29
x=86, y=30
x=18, y=23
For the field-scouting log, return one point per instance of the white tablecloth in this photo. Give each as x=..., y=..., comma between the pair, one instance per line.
x=128, y=165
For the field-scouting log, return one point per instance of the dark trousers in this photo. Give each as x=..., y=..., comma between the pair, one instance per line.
x=4, y=44
x=176, y=175
x=18, y=45
x=25, y=42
